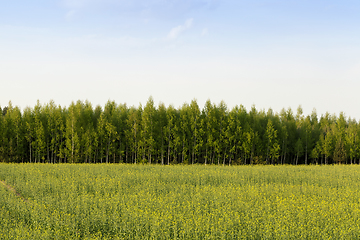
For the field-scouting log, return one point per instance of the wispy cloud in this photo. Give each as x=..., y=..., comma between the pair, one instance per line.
x=176, y=31
x=204, y=32
x=69, y=15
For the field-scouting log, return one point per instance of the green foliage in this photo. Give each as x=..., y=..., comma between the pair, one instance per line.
x=165, y=135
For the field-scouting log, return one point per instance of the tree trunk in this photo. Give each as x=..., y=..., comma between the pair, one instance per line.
x=267, y=153
x=168, y=156
x=182, y=158
x=206, y=153
x=107, y=151
x=149, y=156
x=297, y=158
x=30, y=151
x=306, y=146
x=162, y=147
x=126, y=152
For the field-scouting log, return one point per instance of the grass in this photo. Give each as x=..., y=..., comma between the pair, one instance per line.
x=69, y=201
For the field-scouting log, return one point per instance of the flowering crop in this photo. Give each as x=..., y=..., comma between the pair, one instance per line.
x=70, y=201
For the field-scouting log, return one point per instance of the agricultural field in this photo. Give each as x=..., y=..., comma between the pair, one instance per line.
x=121, y=201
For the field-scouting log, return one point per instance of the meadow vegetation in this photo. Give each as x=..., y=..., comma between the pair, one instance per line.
x=121, y=201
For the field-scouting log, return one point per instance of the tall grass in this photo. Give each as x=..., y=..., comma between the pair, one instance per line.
x=179, y=202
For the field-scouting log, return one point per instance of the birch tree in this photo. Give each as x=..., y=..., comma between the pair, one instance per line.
x=148, y=128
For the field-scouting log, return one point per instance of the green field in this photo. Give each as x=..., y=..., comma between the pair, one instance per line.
x=179, y=202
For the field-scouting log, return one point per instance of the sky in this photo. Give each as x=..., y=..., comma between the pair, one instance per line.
x=271, y=54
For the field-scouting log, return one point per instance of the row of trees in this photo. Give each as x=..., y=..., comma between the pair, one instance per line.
x=165, y=135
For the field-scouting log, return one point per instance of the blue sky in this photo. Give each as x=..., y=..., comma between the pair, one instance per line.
x=274, y=54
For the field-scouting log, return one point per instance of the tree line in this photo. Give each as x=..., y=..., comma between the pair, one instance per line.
x=214, y=134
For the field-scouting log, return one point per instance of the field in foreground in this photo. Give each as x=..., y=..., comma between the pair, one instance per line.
x=179, y=202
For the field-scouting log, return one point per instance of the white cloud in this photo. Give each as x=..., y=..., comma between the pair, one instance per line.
x=69, y=15
x=204, y=32
x=176, y=31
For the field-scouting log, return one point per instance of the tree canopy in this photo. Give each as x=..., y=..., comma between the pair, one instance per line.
x=154, y=134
